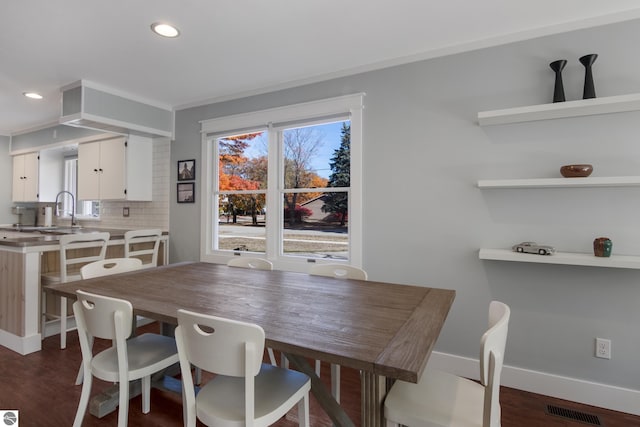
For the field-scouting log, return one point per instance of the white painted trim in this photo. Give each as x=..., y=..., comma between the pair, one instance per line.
x=206, y=205
x=349, y=106
x=35, y=128
x=117, y=92
x=90, y=138
x=298, y=112
x=126, y=126
x=574, y=389
x=21, y=345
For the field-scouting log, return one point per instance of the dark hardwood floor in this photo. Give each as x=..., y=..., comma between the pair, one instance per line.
x=41, y=386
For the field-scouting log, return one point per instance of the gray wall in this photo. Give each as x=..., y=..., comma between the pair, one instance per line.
x=426, y=219
x=6, y=167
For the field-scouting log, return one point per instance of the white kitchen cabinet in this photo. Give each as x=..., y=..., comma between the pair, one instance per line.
x=25, y=177
x=115, y=169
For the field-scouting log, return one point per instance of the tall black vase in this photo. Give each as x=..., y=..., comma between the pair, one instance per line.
x=558, y=90
x=589, y=89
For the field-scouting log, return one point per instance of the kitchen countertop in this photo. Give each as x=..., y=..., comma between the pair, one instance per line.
x=33, y=236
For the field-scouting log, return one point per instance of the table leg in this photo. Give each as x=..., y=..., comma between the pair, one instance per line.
x=374, y=389
x=321, y=393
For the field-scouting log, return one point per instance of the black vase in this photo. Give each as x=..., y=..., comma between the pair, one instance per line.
x=558, y=91
x=589, y=89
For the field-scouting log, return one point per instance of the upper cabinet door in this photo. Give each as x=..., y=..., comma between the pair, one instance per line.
x=116, y=169
x=89, y=171
x=113, y=169
x=25, y=178
x=18, y=178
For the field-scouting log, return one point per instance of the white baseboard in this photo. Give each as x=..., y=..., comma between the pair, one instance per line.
x=577, y=390
x=21, y=345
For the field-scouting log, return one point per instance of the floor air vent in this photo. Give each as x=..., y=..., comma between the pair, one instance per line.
x=570, y=414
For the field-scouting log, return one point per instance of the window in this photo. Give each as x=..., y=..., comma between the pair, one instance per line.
x=285, y=184
x=84, y=208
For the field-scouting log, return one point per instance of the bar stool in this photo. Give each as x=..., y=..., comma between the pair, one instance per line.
x=143, y=244
x=75, y=251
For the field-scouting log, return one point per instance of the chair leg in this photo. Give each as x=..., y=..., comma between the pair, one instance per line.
x=197, y=376
x=284, y=362
x=272, y=357
x=123, y=403
x=146, y=394
x=84, y=400
x=335, y=382
x=80, y=376
x=303, y=411
x=63, y=323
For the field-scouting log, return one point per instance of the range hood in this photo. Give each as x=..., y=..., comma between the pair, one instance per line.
x=92, y=106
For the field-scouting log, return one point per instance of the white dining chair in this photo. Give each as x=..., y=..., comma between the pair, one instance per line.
x=441, y=399
x=337, y=271
x=244, y=390
x=250, y=262
x=109, y=266
x=75, y=251
x=131, y=358
x=143, y=244
x=259, y=264
x=106, y=267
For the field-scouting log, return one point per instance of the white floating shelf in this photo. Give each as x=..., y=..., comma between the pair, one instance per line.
x=612, y=181
x=559, y=110
x=565, y=258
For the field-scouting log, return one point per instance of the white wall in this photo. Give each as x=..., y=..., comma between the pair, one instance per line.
x=426, y=219
x=6, y=167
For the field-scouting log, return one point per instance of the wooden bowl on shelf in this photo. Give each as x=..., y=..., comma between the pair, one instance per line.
x=576, y=171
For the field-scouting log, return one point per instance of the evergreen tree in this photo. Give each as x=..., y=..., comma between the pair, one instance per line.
x=340, y=164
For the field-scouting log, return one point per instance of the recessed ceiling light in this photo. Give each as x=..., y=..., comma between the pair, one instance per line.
x=165, y=30
x=32, y=95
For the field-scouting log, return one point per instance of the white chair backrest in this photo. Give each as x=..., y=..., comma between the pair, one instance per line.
x=248, y=262
x=221, y=346
x=143, y=244
x=339, y=271
x=492, y=347
x=103, y=317
x=92, y=247
x=109, y=266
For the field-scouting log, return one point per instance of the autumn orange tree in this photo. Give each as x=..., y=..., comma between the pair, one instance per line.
x=235, y=172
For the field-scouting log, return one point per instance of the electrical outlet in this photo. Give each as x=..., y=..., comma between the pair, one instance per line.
x=603, y=348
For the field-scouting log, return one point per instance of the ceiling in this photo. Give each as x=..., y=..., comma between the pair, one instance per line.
x=232, y=48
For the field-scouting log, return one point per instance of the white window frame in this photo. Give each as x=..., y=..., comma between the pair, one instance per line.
x=348, y=107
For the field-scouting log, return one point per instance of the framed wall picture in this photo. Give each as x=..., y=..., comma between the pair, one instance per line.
x=186, y=170
x=186, y=192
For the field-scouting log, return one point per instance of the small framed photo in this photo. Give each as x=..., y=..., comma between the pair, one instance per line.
x=186, y=170
x=187, y=192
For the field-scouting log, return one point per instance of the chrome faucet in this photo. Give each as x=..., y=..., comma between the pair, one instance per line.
x=73, y=206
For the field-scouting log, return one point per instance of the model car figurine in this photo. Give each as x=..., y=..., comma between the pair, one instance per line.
x=533, y=248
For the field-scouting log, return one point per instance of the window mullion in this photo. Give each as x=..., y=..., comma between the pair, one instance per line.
x=274, y=210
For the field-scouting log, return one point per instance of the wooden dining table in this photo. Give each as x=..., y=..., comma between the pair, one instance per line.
x=385, y=330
